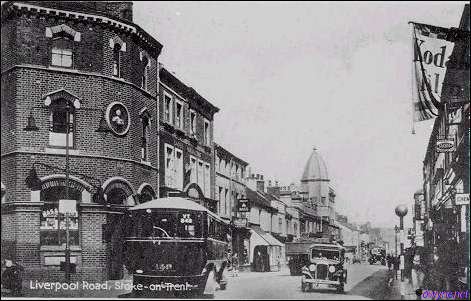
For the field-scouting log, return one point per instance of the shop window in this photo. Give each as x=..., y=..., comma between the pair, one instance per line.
x=53, y=224
x=61, y=120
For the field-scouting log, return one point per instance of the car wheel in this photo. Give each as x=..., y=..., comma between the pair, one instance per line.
x=341, y=288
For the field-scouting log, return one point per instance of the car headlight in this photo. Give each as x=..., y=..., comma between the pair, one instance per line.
x=312, y=267
x=332, y=269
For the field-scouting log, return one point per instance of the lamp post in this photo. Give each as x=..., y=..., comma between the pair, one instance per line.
x=31, y=126
x=401, y=211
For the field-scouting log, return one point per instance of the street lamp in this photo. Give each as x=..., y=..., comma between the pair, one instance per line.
x=34, y=179
x=401, y=211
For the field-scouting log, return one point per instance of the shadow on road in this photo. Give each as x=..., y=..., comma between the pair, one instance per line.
x=375, y=286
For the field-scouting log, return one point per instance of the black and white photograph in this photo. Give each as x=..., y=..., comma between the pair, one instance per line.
x=315, y=150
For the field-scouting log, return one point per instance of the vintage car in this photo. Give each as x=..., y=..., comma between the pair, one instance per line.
x=325, y=267
x=377, y=254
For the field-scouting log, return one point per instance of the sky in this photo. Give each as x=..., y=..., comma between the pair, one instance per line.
x=288, y=77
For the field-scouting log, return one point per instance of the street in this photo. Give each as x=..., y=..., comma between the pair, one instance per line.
x=364, y=282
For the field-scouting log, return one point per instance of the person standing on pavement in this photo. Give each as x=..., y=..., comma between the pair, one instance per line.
x=235, y=265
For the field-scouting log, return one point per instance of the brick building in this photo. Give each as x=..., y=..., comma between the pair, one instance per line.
x=186, y=141
x=230, y=188
x=89, y=65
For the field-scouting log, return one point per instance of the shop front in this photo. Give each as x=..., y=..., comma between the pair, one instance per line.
x=266, y=252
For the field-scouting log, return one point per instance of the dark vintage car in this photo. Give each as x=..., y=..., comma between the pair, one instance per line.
x=325, y=267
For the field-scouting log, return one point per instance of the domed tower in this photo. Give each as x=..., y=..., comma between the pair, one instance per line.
x=315, y=179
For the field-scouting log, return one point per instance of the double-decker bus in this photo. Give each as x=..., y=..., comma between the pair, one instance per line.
x=176, y=246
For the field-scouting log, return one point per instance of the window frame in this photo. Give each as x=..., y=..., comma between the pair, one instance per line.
x=178, y=170
x=180, y=118
x=168, y=96
x=145, y=121
x=53, y=108
x=207, y=132
x=117, y=60
x=193, y=122
x=169, y=177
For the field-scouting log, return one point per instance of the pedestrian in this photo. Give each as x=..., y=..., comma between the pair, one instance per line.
x=235, y=265
x=389, y=261
x=278, y=263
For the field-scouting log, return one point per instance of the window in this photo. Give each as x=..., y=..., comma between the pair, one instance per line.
x=178, y=115
x=145, y=138
x=53, y=224
x=207, y=133
x=169, y=166
x=178, y=169
x=61, y=57
x=194, y=170
x=207, y=180
x=145, y=73
x=201, y=175
x=117, y=60
x=220, y=200
x=61, y=121
x=168, y=108
x=192, y=122
x=225, y=200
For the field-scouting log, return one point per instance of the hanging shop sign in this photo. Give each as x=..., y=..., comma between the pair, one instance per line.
x=243, y=205
x=462, y=199
x=445, y=146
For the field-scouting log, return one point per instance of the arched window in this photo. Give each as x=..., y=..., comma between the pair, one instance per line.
x=146, y=194
x=53, y=224
x=118, y=192
x=61, y=121
x=117, y=60
x=62, y=50
x=145, y=118
x=145, y=73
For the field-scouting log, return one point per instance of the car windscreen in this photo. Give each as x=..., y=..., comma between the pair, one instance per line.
x=325, y=254
x=168, y=224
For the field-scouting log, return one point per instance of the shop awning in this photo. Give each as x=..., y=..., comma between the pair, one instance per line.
x=266, y=238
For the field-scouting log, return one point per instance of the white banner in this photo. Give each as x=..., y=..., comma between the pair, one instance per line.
x=431, y=53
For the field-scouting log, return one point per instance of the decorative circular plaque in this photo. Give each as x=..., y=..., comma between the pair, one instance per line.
x=117, y=117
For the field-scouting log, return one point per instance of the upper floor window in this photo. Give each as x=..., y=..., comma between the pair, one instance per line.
x=192, y=122
x=61, y=55
x=145, y=136
x=62, y=51
x=207, y=134
x=62, y=123
x=145, y=71
x=117, y=60
x=168, y=112
x=179, y=114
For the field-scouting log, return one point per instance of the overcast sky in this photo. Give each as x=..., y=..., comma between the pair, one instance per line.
x=290, y=76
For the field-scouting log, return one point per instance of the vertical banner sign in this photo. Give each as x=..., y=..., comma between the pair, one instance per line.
x=431, y=52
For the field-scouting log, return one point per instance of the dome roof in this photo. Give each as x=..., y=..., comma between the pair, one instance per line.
x=315, y=168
